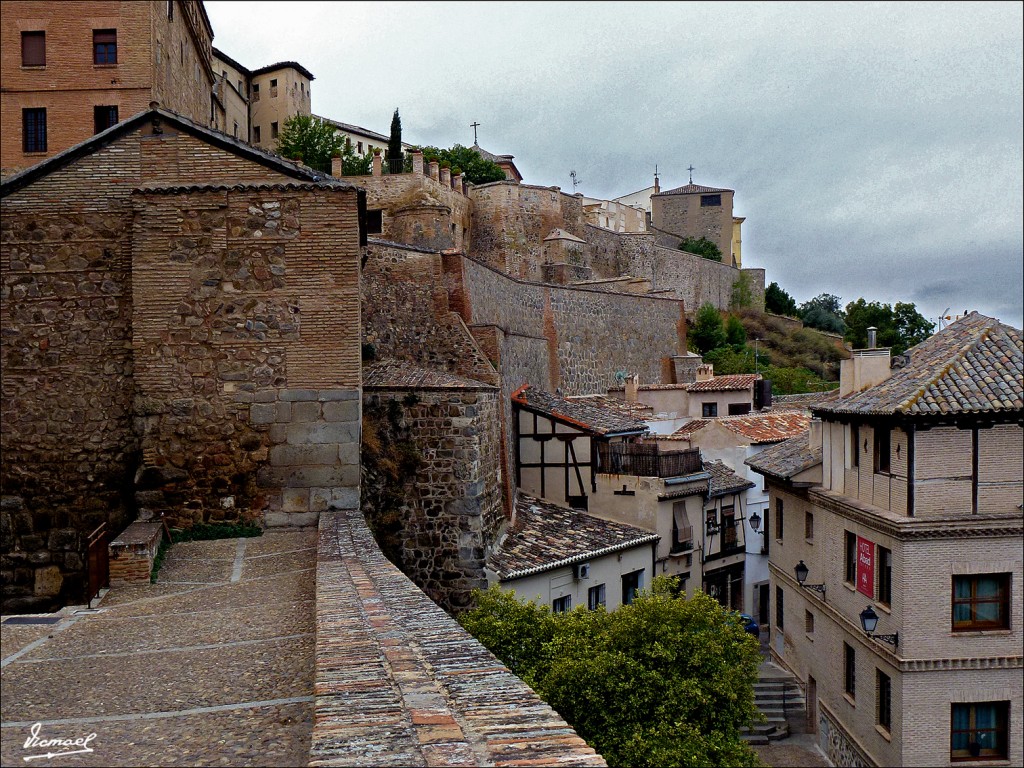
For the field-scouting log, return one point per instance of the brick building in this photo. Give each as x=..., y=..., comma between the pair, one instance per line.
x=71, y=70
x=694, y=210
x=903, y=505
x=180, y=336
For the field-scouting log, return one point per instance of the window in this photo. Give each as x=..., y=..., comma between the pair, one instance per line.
x=240, y=87
x=851, y=558
x=595, y=597
x=255, y=91
x=682, y=531
x=808, y=525
x=33, y=130
x=883, y=693
x=33, y=49
x=709, y=201
x=981, y=601
x=273, y=88
x=881, y=450
x=778, y=519
x=104, y=46
x=850, y=671
x=235, y=129
x=729, y=535
x=631, y=584
x=884, y=576
x=273, y=83
x=256, y=134
x=854, y=446
x=170, y=10
x=808, y=622
x=739, y=409
x=374, y=221
x=273, y=130
x=359, y=146
x=779, y=613
x=104, y=117
x=979, y=730
x=561, y=604
x=709, y=410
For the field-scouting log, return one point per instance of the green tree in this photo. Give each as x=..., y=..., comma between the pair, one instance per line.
x=352, y=164
x=823, y=312
x=702, y=247
x=899, y=327
x=777, y=301
x=394, y=152
x=474, y=167
x=735, y=333
x=662, y=681
x=310, y=140
x=742, y=294
x=707, y=332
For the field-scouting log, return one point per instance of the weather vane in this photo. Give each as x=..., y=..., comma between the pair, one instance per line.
x=474, y=125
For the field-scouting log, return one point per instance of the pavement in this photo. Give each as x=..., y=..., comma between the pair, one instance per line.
x=212, y=665
x=800, y=750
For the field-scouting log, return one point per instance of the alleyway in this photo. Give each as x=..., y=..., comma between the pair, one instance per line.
x=213, y=665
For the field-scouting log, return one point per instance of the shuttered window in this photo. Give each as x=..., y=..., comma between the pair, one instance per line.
x=33, y=49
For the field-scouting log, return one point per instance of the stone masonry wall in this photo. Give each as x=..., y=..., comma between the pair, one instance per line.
x=246, y=298
x=70, y=407
x=406, y=313
x=453, y=518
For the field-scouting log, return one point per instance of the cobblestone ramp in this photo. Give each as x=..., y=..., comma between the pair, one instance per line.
x=399, y=682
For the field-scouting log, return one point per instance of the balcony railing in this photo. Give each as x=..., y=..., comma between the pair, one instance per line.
x=643, y=460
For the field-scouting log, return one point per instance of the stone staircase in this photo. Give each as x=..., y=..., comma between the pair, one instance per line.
x=780, y=699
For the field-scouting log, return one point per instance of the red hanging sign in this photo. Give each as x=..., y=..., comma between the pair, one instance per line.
x=865, y=567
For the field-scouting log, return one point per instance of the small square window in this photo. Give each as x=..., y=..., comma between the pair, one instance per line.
x=374, y=221
x=739, y=409
x=33, y=49
x=561, y=604
x=709, y=410
x=104, y=117
x=979, y=730
x=33, y=130
x=104, y=46
x=981, y=601
x=596, y=597
x=710, y=201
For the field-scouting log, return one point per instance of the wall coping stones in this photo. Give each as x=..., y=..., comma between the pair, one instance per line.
x=399, y=682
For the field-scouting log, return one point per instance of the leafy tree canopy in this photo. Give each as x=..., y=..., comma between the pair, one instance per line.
x=707, y=331
x=310, y=140
x=742, y=296
x=735, y=333
x=352, y=164
x=823, y=312
x=662, y=681
x=899, y=327
x=702, y=247
x=777, y=301
x=474, y=168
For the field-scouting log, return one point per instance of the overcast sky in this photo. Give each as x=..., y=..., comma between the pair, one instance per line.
x=875, y=148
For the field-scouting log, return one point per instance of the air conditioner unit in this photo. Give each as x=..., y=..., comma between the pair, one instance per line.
x=581, y=571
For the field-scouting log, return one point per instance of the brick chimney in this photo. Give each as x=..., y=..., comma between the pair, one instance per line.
x=377, y=163
x=705, y=372
x=632, y=388
x=336, y=166
x=417, y=162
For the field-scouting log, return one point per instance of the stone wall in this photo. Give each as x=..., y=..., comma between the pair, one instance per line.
x=837, y=746
x=121, y=377
x=451, y=520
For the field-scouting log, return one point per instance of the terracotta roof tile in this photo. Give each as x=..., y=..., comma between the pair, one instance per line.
x=586, y=416
x=803, y=401
x=725, y=383
x=546, y=536
x=787, y=459
x=689, y=189
x=632, y=410
x=974, y=365
x=723, y=480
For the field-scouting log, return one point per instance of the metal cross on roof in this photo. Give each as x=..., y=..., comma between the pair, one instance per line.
x=691, y=169
x=474, y=125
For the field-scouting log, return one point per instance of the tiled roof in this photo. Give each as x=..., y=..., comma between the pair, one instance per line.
x=725, y=383
x=399, y=373
x=224, y=57
x=349, y=128
x=561, y=234
x=689, y=429
x=689, y=189
x=787, y=459
x=802, y=401
x=723, y=480
x=586, y=416
x=760, y=427
x=284, y=65
x=547, y=536
x=491, y=156
x=632, y=410
x=974, y=365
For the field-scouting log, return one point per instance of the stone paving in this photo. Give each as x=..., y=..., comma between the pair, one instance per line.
x=213, y=665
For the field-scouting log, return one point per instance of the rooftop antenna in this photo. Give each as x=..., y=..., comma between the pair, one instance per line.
x=474, y=125
x=691, y=169
x=575, y=180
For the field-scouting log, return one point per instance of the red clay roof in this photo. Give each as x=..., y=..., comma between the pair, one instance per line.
x=726, y=383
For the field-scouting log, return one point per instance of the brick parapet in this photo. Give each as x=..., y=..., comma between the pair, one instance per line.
x=399, y=682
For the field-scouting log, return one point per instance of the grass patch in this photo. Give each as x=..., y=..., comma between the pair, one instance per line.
x=210, y=531
x=159, y=559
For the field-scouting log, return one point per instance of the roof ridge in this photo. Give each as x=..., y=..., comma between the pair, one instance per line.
x=958, y=355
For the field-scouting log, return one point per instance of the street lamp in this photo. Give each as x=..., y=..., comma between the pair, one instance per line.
x=801, y=576
x=755, y=522
x=869, y=622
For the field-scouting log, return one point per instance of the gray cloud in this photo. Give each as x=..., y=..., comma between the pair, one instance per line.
x=875, y=149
